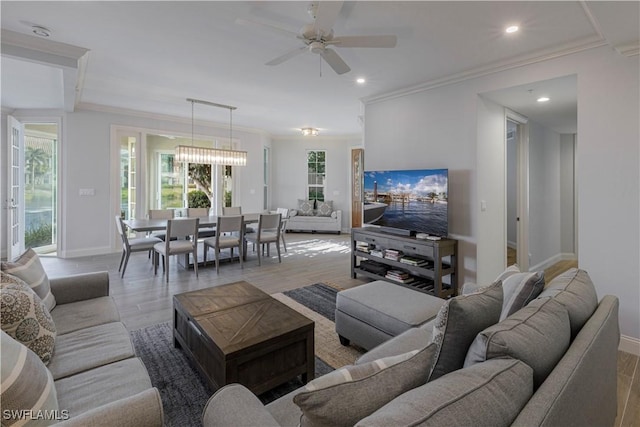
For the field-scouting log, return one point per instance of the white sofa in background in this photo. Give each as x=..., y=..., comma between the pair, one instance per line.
x=315, y=223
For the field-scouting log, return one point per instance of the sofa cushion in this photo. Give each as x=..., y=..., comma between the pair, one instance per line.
x=538, y=335
x=305, y=207
x=25, y=317
x=90, y=348
x=575, y=290
x=487, y=394
x=344, y=396
x=84, y=314
x=459, y=321
x=28, y=268
x=325, y=208
x=91, y=389
x=26, y=383
x=519, y=289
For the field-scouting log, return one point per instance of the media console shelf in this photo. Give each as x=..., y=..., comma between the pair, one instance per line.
x=406, y=261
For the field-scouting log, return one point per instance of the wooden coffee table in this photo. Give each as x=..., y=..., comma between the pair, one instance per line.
x=236, y=333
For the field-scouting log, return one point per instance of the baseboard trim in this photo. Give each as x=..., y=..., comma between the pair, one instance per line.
x=629, y=345
x=565, y=256
x=86, y=252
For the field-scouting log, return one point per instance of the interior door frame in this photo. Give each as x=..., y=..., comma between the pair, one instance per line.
x=522, y=185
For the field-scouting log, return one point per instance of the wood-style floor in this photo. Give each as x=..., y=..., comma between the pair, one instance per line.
x=144, y=299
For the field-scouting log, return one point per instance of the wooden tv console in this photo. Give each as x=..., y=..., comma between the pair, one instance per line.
x=424, y=263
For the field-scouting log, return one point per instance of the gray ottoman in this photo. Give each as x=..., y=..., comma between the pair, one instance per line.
x=370, y=314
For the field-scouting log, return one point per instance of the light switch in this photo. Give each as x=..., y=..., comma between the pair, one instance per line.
x=87, y=192
x=483, y=205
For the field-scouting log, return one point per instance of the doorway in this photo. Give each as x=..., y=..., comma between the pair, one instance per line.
x=33, y=187
x=517, y=186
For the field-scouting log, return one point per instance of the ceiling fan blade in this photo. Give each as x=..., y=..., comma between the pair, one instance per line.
x=364, y=41
x=280, y=59
x=326, y=15
x=267, y=27
x=334, y=60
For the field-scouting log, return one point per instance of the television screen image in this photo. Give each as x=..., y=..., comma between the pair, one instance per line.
x=415, y=200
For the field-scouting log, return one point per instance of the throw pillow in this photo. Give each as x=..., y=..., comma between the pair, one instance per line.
x=305, y=207
x=538, y=334
x=325, y=208
x=457, y=324
x=520, y=289
x=26, y=383
x=345, y=396
x=28, y=268
x=488, y=394
x=575, y=290
x=512, y=269
x=25, y=317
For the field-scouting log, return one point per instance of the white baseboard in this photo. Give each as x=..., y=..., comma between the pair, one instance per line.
x=629, y=345
x=86, y=252
x=565, y=256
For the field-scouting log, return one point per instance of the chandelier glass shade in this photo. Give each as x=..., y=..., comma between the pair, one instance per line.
x=213, y=156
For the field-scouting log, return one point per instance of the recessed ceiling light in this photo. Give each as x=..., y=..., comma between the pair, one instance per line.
x=41, y=31
x=543, y=99
x=361, y=80
x=511, y=29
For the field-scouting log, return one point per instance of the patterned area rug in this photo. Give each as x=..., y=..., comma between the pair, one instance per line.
x=184, y=393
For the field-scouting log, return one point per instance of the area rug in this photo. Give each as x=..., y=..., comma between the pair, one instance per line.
x=184, y=393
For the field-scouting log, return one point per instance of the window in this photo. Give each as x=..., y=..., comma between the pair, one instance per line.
x=316, y=173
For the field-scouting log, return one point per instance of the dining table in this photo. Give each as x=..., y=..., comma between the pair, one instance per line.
x=147, y=225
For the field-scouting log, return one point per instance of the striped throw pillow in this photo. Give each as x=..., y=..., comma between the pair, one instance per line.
x=27, y=385
x=28, y=268
x=345, y=396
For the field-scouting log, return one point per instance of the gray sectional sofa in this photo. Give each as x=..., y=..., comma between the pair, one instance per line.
x=93, y=376
x=550, y=363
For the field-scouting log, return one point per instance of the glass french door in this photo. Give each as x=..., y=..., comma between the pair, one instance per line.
x=15, y=205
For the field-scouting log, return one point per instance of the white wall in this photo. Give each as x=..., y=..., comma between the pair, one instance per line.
x=544, y=195
x=87, y=222
x=289, y=171
x=567, y=192
x=447, y=127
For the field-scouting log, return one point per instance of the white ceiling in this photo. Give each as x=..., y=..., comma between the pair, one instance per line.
x=150, y=56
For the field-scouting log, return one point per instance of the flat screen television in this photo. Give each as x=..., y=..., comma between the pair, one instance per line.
x=415, y=200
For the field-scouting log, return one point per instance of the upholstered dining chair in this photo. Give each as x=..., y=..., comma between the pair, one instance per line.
x=284, y=214
x=137, y=244
x=229, y=236
x=203, y=233
x=268, y=232
x=182, y=238
x=231, y=210
x=160, y=214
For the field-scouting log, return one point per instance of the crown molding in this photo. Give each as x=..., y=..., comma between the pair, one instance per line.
x=98, y=108
x=629, y=49
x=589, y=43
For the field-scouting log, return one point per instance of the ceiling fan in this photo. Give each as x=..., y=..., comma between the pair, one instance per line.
x=318, y=36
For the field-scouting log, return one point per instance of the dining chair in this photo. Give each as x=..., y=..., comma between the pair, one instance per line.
x=231, y=210
x=268, y=232
x=137, y=244
x=160, y=214
x=229, y=236
x=203, y=233
x=182, y=238
x=284, y=213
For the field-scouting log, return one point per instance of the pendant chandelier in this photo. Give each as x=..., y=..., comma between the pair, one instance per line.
x=214, y=156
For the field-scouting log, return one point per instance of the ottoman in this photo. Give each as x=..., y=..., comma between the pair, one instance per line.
x=370, y=314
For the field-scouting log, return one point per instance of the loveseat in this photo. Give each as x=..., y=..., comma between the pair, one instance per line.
x=550, y=363
x=315, y=216
x=93, y=376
